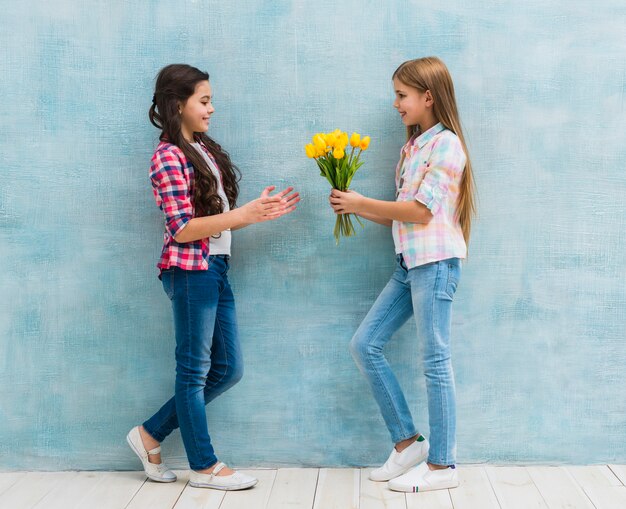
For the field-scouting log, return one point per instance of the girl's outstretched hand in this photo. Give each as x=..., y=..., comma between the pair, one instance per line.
x=348, y=202
x=267, y=207
x=287, y=198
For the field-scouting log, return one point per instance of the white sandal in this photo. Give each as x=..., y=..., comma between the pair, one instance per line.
x=155, y=471
x=236, y=481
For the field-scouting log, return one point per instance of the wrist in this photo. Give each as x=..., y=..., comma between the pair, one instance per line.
x=239, y=215
x=362, y=205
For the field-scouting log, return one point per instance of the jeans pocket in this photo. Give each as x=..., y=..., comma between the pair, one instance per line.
x=454, y=270
x=209, y=261
x=167, y=278
x=448, y=279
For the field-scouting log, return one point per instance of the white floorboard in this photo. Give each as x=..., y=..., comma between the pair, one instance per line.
x=481, y=487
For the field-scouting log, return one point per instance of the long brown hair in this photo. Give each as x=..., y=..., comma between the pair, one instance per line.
x=175, y=83
x=430, y=73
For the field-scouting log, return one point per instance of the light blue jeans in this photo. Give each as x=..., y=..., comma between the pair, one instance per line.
x=425, y=292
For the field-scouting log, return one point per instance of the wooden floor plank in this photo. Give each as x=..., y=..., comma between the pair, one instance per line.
x=67, y=495
x=256, y=497
x=199, y=498
x=439, y=499
x=376, y=495
x=607, y=497
x=8, y=479
x=490, y=487
x=474, y=491
x=160, y=495
x=593, y=475
x=558, y=489
x=31, y=488
x=514, y=488
x=114, y=490
x=338, y=488
x=601, y=485
x=620, y=472
x=294, y=488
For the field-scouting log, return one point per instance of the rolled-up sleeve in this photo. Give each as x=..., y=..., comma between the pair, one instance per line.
x=445, y=166
x=171, y=190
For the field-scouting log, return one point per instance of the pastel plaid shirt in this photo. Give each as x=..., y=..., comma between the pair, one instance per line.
x=430, y=172
x=171, y=175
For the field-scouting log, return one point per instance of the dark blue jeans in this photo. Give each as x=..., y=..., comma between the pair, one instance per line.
x=208, y=355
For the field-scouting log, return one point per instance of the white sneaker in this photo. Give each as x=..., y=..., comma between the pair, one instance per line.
x=155, y=471
x=399, y=462
x=423, y=478
x=236, y=481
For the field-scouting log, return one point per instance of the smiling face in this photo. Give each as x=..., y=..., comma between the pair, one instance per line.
x=415, y=107
x=197, y=110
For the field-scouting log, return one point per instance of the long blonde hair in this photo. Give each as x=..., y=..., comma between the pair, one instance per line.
x=430, y=73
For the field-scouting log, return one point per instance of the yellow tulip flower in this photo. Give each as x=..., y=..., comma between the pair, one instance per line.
x=338, y=153
x=319, y=142
x=355, y=140
x=365, y=142
x=310, y=150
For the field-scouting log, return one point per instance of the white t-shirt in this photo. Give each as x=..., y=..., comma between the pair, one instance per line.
x=219, y=245
x=396, y=237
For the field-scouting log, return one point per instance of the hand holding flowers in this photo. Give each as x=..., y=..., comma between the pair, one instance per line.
x=329, y=152
x=348, y=202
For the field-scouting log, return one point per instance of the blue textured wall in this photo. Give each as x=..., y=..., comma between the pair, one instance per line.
x=86, y=345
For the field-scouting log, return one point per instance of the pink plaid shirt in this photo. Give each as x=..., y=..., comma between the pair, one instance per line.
x=430, y=172
x=171, y=175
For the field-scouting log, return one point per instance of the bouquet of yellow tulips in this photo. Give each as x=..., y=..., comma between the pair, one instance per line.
x=329, y=152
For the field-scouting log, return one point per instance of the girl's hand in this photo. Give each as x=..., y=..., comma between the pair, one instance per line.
x=266, y=207
x=289, y=200
x=348, y=202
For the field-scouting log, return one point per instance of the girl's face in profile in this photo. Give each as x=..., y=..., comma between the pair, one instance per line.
x=198, y=109
x=413, y=105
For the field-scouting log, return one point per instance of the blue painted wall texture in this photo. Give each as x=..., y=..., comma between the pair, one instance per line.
x=86, y=336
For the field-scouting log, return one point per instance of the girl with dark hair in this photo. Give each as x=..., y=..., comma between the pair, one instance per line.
x=195, y=184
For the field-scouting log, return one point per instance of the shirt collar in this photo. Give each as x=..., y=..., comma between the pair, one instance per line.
x=417, y=141
x=426, y=136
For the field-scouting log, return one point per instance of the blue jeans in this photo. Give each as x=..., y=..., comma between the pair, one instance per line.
x=426, y=292
x=208, y=355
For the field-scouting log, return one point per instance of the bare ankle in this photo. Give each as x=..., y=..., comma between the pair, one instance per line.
x=432, y=466
x=147, y=438
x=149, y=443
x=224, y=471
x=401, y=446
